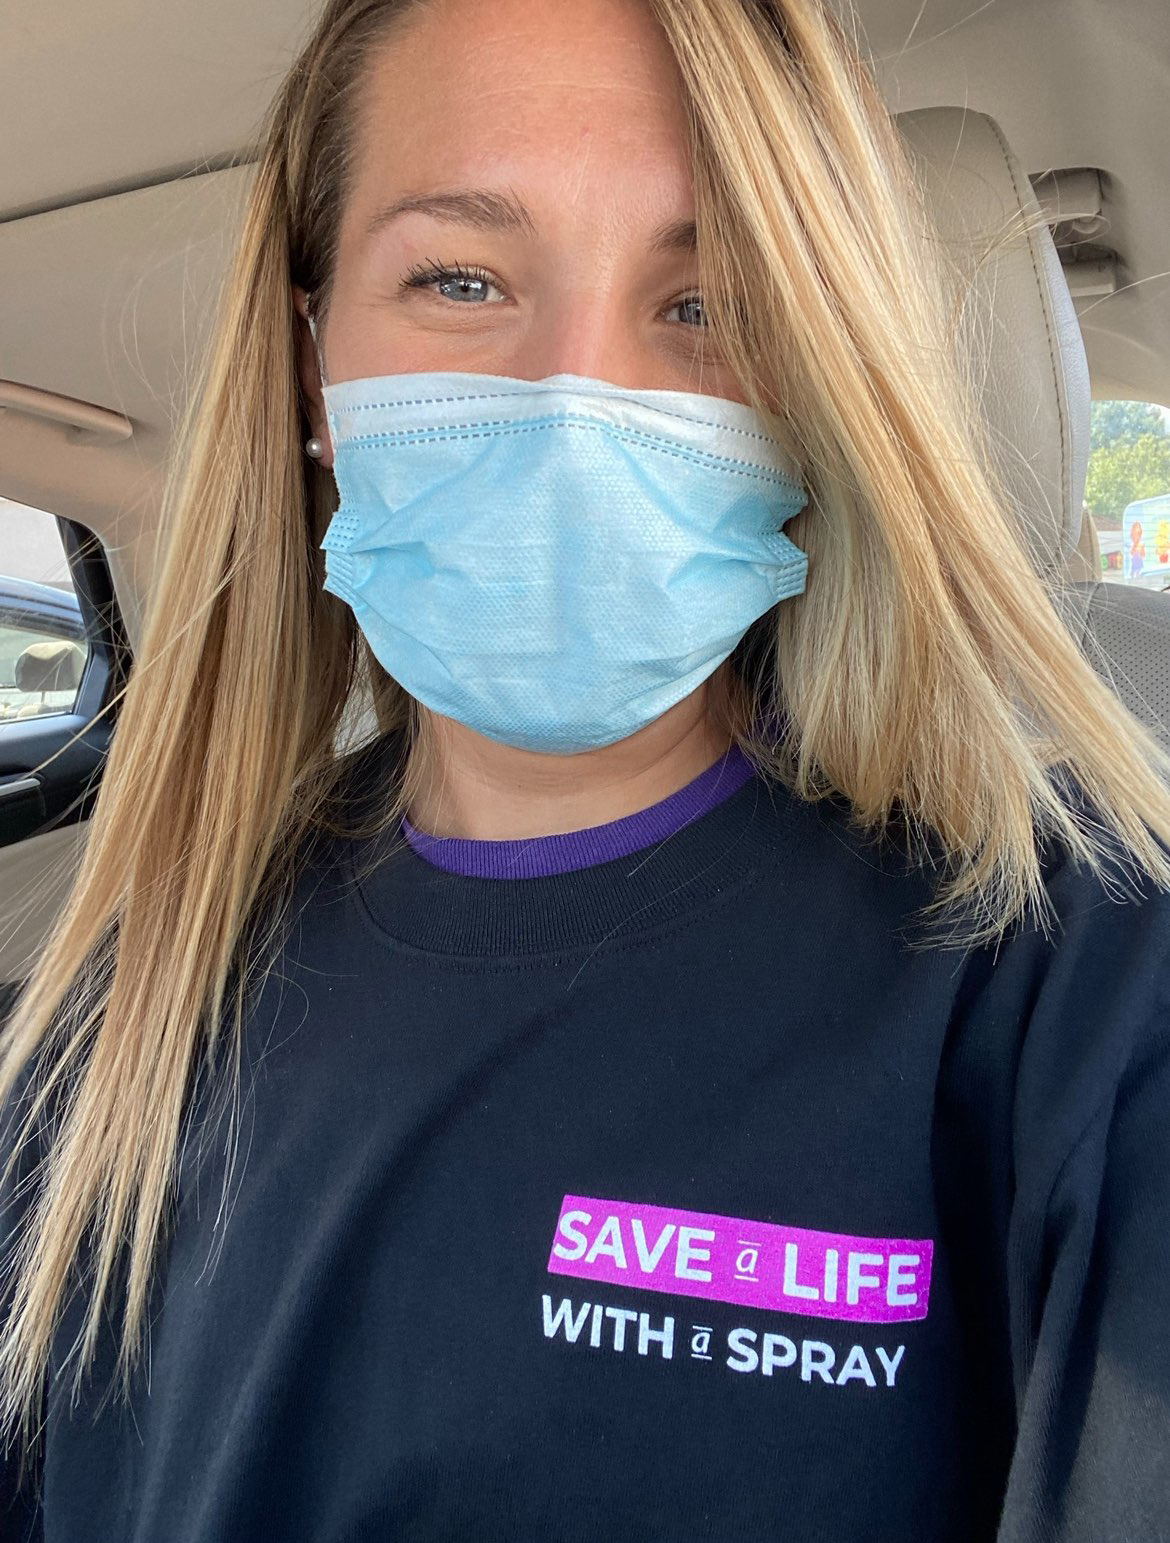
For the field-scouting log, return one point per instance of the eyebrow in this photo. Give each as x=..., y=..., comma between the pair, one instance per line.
x=485, y=209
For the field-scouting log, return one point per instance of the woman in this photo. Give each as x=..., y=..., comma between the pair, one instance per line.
x=548, y=1117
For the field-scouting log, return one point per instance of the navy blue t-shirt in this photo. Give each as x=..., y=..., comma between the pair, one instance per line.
x=645, y=1184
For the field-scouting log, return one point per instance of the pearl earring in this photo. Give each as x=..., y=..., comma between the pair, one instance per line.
x=315, y=448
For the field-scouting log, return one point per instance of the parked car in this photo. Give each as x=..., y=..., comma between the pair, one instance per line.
x=43, y=648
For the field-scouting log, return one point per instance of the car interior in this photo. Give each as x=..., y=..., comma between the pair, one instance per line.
x=128, y=131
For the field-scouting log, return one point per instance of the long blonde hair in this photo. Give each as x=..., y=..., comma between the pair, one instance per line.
x=926, y=676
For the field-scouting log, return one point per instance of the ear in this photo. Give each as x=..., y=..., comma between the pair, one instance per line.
x=309, y=371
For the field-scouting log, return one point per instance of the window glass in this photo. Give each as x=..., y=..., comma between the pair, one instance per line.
x=43, y=647
x=1127, y=491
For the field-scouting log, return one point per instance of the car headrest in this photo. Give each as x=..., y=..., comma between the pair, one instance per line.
x=1036, y=386
x=54, y=665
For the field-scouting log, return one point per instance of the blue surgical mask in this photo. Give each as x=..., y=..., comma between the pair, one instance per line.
x=554, y=563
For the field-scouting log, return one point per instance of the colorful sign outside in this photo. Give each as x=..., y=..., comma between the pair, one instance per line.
x=1145, y=538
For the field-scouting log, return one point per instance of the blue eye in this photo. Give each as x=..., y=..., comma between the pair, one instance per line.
x=695, y=301
x=467, y=283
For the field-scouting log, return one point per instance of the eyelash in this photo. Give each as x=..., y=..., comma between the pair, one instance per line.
x=423, y=274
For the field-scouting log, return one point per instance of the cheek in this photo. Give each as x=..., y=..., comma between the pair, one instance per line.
x=371, y=341
x=359, y=344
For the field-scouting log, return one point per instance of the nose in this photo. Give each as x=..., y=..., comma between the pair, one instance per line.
x=590, y=340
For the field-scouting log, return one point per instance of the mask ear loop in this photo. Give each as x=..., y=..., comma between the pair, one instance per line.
x=314, y=448
x=317, y=350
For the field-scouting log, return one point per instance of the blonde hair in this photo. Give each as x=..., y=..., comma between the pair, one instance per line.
x=926, y=676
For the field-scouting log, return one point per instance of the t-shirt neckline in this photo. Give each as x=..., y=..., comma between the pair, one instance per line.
x=543, y=856
x=411, y=904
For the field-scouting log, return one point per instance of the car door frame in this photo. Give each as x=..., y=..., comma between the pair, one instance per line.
x=51, y=767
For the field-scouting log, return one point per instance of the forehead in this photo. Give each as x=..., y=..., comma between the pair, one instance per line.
x=577, y=96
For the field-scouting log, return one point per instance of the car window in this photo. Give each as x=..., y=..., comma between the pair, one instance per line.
x=1127, y=492
x=43, y=646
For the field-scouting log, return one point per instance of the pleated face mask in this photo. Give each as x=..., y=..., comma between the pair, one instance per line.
x=554, y=563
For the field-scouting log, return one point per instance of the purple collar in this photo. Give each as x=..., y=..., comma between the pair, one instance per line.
x=535, y=857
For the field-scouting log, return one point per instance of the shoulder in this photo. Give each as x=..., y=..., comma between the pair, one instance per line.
x=1110, y=937
x=1097, y=1003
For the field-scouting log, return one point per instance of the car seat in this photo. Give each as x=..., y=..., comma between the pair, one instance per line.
x=1036, y=391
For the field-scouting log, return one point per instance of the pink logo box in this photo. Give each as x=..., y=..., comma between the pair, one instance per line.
x=751, y=1263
